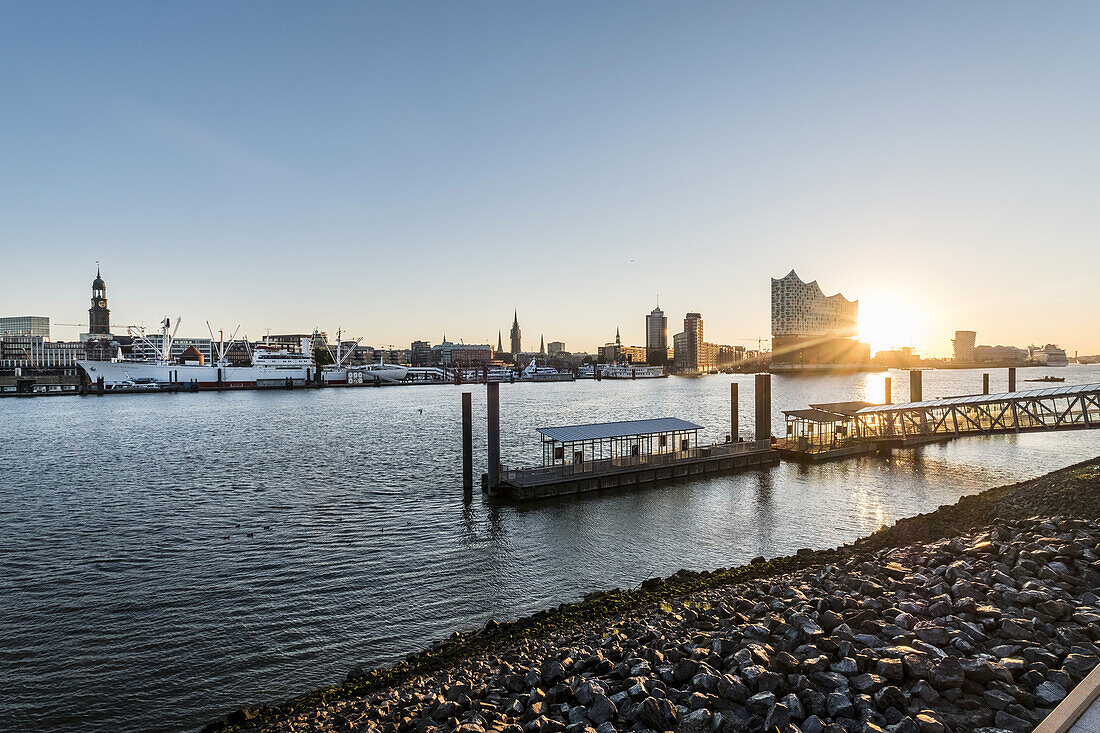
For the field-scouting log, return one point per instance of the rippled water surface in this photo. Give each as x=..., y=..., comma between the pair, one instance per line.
x=165, y=558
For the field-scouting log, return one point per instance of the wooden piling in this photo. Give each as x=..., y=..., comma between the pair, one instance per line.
x=733, y=412
x=492, y=394
x=467, y=443
x=889, y=390
x=985, y=383
x=763, y=406
x=916, y=385
x=1012, y=379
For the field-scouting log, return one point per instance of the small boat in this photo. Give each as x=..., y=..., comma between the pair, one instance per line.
x=1047, y=379
x=535, y=373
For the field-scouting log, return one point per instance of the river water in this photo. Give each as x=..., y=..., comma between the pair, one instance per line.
x=166, y=558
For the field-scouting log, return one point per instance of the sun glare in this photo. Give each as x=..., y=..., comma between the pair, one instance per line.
x=888, y=322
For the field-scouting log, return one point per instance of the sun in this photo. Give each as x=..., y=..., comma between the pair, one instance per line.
x=887, y=321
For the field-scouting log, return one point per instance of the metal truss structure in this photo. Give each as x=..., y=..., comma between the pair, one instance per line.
x=1058, y=408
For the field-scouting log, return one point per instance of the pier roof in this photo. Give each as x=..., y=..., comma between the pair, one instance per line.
x=986, y=399
x=601, y=431
x=849, y=409
x=816, y=416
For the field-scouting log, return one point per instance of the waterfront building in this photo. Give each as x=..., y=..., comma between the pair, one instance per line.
x=25, y=326
x=555, y=347
x=423, y=354
x=963, y=345
x=514, y=335
x=1000, y=354
x=730, y=356
x=691, y=354
x=463, y=355
x=633, y=354
x=656, y=336
x=99, y=317
x=34, y=352
x=811, y=329
x=611, y=352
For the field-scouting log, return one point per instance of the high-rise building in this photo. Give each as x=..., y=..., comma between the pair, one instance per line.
x=810, y=328
x=963, y=344
x=656, y=336
x=421, y=353
x=25, y=326
x=514, y=335
x=99, y=318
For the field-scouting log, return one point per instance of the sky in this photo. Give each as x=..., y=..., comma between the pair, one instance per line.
x=404, y=170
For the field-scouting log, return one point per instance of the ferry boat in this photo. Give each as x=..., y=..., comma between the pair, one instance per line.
x=270, y=367
x=534, y=373
x=629, y=371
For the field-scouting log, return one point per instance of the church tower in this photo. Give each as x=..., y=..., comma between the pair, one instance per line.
x=500, y=344
x=515, y=335
x=99, y=318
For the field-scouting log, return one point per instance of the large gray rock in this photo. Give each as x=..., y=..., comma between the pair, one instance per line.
x=657, y=713
x=601, y=709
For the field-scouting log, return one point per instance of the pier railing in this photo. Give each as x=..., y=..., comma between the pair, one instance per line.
x=540, y=474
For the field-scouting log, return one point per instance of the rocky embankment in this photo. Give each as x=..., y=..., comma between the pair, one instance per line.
x=982, y=615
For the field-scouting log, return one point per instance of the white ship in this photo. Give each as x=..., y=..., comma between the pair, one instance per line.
x=628, y=371
x=339, y=373
x=270, y=367
x=1050, y=355
x=534, y=373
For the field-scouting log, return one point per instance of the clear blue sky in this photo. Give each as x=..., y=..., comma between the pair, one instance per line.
x=405, y=169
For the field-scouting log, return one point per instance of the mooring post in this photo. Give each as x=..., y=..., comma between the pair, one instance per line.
x=889, y=390
x=99, y=385
x=1012, y=379
x=916, y=386
x=467, y=443
x=733, y=412
x=985, y=383
x=492, y=394
x=763, y=406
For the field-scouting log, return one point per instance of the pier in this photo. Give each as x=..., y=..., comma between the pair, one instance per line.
x=1075, y=407
x=596, y=456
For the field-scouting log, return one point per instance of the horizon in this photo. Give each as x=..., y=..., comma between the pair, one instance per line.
x=401, y=171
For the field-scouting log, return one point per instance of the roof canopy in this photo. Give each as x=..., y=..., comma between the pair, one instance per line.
x=986, y=399
x=818, y=416
x=628, y=428
x=843, y=408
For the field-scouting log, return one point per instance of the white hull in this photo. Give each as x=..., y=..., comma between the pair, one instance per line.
x=128, y=374
x=365, y=375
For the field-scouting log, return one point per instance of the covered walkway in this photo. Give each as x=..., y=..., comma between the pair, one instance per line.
x=1056, y=408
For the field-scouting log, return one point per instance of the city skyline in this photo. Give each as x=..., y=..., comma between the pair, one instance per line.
x=63, y=331
x=399, y=171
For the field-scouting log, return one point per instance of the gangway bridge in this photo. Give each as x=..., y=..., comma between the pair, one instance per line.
x=1074, y=407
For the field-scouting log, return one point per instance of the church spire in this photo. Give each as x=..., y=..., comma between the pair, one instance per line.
x=542, y=344
x=618, y=341
x=500, y=344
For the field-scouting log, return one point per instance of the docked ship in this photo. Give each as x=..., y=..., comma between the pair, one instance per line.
x=269, y=367
x=1050, y=355
x=629, y=371
x=534, y=373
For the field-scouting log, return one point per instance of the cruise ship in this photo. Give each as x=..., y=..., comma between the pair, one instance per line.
x=1050, y=355
x=270, y=367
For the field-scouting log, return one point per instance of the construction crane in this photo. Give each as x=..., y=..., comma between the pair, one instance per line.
x=758, y=339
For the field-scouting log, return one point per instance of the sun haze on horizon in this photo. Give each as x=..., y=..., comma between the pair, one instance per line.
x=405, y=170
